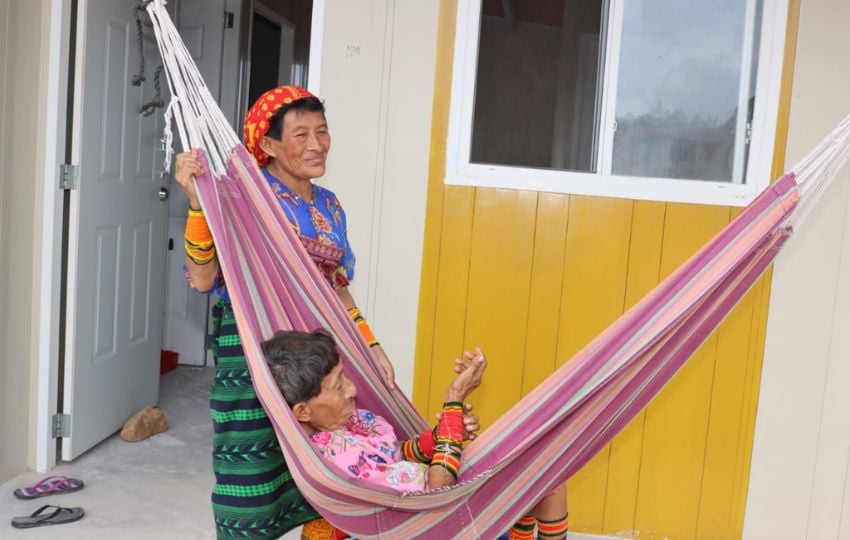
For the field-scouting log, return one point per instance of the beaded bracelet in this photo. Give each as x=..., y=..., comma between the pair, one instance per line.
x=555, y=528
x=198, y=240
x=363, y=327
x=420, y=449
x=449, y=443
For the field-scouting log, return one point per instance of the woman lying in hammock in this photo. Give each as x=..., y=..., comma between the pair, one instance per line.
x=307, y=369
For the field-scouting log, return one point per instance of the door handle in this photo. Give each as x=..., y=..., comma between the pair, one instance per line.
x=162, y=194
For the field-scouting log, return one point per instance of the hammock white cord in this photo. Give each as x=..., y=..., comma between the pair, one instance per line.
x=816, y=171
x=200, y=122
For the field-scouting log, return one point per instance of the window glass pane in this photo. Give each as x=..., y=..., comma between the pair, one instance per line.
x=679, y=81
x=537, y=84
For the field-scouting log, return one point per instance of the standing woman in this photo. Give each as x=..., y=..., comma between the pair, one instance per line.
x=255, y=496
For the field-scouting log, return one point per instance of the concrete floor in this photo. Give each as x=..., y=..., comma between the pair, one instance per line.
x=158, y=488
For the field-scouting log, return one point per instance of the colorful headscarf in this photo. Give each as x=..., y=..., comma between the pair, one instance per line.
x=257, y=120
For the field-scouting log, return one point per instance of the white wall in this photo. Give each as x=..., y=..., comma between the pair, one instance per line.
x=798, y=479
x=21, y=87
x=377, y=81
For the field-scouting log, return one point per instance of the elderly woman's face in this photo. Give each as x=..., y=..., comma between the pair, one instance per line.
x=334, y=405
x=303, y=146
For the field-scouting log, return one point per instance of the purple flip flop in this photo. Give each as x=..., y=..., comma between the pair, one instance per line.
x=52, y=485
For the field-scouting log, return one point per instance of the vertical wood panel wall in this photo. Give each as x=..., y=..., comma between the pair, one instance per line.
x=531, y=278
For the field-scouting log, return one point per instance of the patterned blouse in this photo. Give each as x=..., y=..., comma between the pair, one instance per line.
x=321, y=226
x=368, y=448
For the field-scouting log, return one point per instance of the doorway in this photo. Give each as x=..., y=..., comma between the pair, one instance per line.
x=267, y=49
x=217, y=53
x=280, y=45
x=272, y=44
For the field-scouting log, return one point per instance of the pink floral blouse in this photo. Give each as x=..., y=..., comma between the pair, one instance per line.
x=368, y=448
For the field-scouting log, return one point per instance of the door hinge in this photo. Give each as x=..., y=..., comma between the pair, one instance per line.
x=228, y=19
x=68, y=176
x=61, y=425
x=748, y=133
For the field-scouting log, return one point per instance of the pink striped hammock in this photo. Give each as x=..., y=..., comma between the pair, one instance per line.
x=546, y=437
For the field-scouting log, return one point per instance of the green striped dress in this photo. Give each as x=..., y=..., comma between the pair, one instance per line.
x=254, y=496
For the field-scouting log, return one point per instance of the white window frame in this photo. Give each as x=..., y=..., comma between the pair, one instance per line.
x=459, y=170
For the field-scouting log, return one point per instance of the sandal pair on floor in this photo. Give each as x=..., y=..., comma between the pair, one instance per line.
x=48, y=514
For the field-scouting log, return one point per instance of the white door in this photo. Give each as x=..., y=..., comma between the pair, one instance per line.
x=201, y=25
x=116, y=232
x=185, y=309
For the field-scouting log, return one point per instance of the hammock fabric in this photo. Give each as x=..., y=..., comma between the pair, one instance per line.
x=546, y=437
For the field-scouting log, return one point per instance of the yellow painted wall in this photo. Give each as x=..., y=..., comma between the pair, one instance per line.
x=532, y=277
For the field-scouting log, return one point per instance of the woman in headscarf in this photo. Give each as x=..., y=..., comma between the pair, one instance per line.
x=255, y=496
